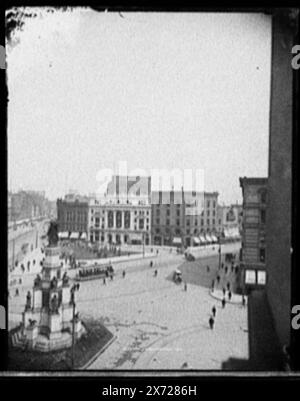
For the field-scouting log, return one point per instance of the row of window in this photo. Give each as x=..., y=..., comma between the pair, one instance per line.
x=208, y=222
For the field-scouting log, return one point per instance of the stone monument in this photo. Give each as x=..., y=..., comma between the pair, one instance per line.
x=48, y=316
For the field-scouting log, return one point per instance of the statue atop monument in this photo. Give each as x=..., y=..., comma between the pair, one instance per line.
x=53, y=234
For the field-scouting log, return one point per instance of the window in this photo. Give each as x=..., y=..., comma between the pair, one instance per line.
x=178, y=222
x=262, y=255
x=157, y=231
x=127, y=219
x=214, y=222
x=188, y=231
x=195, y=231
x=157, y=212
x=168, y=212
x=208, y=203
x=110, y=219
x=118, y=219
x=141, y=224
x=168, y=222
x=207, y=222
x=214, y=212
x=263, y=197
x=261, y=277
x=178, y=213
x=177, y=231
x=157, y=221
x=250, y=277
x=202, y=222
x=214, y=204
x=208, y=213
x=188, y=222
x=263, y=216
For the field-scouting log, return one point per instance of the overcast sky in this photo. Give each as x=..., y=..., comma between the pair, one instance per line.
x=158, y=90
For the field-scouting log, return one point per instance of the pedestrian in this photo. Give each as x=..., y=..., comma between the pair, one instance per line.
x=222, y=265
x=185, y=286
x=211, y=322
x=218, y=279
x=111, y=276
x=232, y=267
x=155, y=273
x=223, y=303
x=20, y=281
x=229, y=295
x=224, y=291
x=151, y=263
x=228, y=286
x=104, y=280
x=17, y=292
x=207, y=269
x=214, y=310
x=226, y=269
x=213, y=284
x=243, y=300
x=123, y=273
x=236, y=269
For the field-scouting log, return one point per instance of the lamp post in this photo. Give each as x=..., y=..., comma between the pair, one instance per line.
x=74, y=288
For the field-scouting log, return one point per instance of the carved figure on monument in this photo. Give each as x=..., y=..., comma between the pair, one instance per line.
x=54, y=283
x=37, y=280
x=54, y=304
x=52, y=234
x=28, y=300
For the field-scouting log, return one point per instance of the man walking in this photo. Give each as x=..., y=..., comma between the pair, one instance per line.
x=223, y=303
x=229, y=295
x=214, y=311
x=211, y=322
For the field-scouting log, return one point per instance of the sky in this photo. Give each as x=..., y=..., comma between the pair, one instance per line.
x=155, y=90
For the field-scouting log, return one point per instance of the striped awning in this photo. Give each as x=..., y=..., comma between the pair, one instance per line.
x=74, y=235
x=83, y=236
x=208, y=238
x=202, y=239
x=214, y=238
x=196, y=240
x=63, y=235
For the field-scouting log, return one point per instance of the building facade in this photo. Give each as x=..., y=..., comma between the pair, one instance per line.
x=253, y=254
x=230, y=219
x=180, y=218
x=72, y=216
x=281, y=292
x=116, y=223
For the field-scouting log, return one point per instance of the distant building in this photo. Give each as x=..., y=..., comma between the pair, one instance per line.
x=72, y=217
x=183, y=218
x=229, y=220
x=118, y=224
x=253, y=257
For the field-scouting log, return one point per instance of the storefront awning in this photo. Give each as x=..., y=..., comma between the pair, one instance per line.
x=196, y=240
x=63, y=235
x=74, y=235
x=83, y=236
x=202, y=239
x=214, y=238
x=177, y=240
x=208, y=238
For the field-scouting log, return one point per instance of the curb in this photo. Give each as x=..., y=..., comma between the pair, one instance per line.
x=94, y=357
x=227, y=301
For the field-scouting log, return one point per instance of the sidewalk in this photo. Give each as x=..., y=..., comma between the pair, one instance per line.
x=236, y=299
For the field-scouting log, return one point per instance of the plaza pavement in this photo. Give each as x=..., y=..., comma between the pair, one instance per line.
x=157, y=324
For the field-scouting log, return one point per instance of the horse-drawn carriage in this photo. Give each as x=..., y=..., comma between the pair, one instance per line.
x=177, y=276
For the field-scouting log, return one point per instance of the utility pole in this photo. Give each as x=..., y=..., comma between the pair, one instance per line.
x=219, y=251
